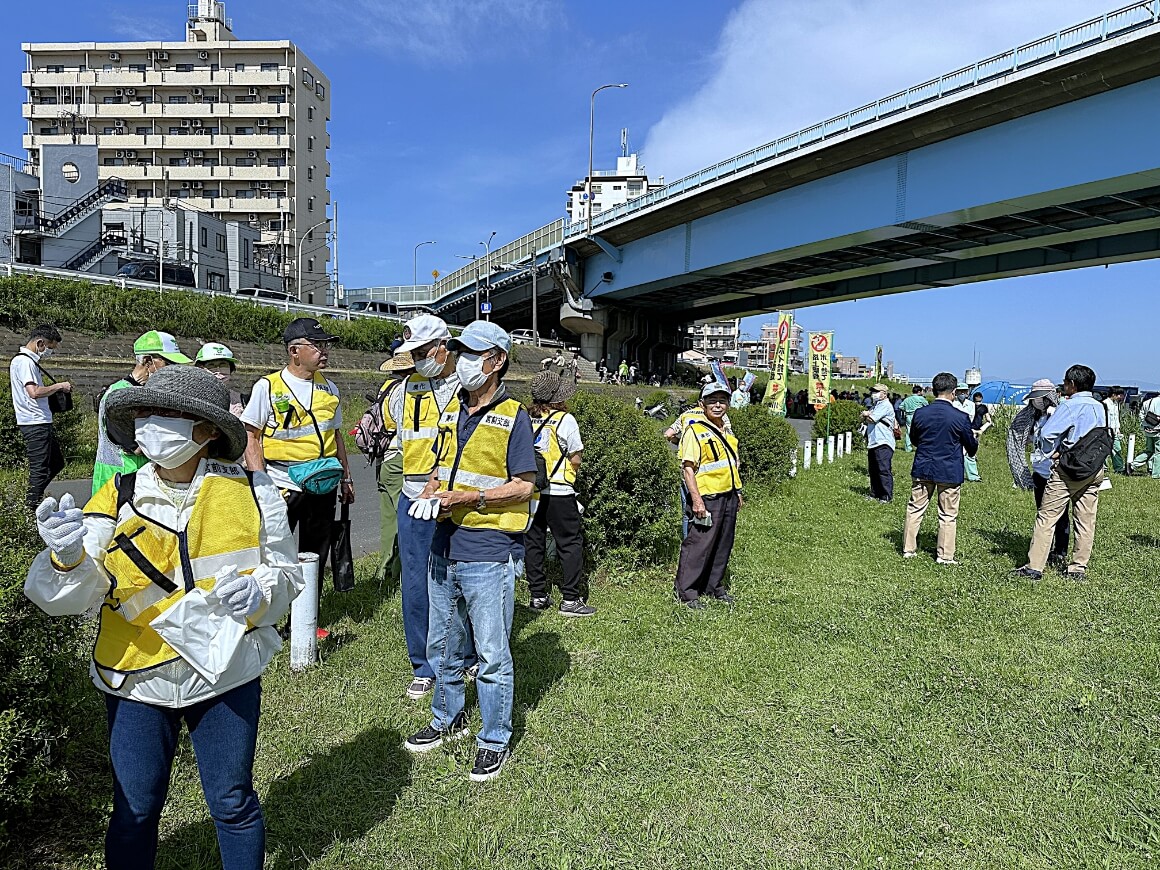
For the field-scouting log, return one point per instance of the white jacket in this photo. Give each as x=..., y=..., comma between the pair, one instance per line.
x=82, y=590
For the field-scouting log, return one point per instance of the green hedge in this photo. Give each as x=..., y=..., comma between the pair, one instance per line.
x=765, y=443
x=26, y=301
x=49, y=711
x=628, y=483
x=71, y=431
x=841, y=416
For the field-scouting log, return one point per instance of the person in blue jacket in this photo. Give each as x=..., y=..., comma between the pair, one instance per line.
x=940, y=433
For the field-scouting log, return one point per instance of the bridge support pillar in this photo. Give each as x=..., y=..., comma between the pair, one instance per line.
x=589, y=321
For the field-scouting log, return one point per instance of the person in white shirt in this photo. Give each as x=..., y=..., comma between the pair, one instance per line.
x=1150, y=419
x=32, y=401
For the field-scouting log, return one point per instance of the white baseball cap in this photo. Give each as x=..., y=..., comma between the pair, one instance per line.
x=419, y=330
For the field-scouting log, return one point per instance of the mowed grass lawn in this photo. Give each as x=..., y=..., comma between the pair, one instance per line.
x=851, y=710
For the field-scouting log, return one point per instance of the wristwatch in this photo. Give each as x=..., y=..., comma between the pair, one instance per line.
x=482, y=503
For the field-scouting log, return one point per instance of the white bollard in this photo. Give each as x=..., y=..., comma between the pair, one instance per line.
x=1131, y=454
x=830, y=449
x=841, y=443
x=820, y=444
x=304, y=617
x=849, y=441
x=793, y=463
x=806, y=452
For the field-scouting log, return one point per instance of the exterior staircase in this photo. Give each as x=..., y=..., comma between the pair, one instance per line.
x=109, y=190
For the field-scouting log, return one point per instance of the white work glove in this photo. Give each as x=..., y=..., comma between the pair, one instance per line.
x=239, y=593
x=424, y=509
x=62, y=528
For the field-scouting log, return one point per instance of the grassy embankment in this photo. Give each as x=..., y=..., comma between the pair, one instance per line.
x=852, y=710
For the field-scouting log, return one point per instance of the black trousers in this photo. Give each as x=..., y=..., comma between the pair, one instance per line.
x=880, y=461
x=45, y=460
x=1062, y=528
x=313, y=516
x=705, y=551
x=561, y=515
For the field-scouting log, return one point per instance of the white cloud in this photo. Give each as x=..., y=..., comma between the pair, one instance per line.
x=779, y=65
x=441, y=31
x=139, y=28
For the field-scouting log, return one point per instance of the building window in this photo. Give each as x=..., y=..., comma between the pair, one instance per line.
x=109, y=101
x=50, y=131
x=269, y=67
x=596, y=188
x=245, y=253
x=276, y=131
x=309, y=264
x=204, y=237
x=47, y=101
x=307, y=78
x=216, y=281
x=137, y=67
x=244, y=193
x=310, y=113
x=277, y=98
x=142, y=131
x=143, y=192
x=275, y=225
x=309, y=143
x=245, y=98
x=112, y=161
x=244, y=131
x=221, y=243
x=310, y=204
x=239, y=67
x=183, y=67
x=246, y=161
x=276, y=161
x=179, y=161
x=54, y=68
x=321, y=92
x=309, y=173
x=176, y=100
x=145, y=161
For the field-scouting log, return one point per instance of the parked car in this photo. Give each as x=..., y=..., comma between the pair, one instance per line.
x=526, y=336
x=172, y=273
x=263, y=293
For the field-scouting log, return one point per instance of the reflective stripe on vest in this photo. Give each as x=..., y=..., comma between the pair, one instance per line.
x=717, y=471
x=151, y=567
x=421, y=424
x=472, y=467
x=560, y=470
x=300, y=434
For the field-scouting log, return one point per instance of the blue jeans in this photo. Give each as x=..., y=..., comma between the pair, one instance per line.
x=142, y=742
x=414, y=557
x=485, y=594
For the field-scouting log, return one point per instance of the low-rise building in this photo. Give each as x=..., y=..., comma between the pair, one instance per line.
x=611, y=187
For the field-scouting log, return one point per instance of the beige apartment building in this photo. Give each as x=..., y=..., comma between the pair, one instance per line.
x=236, y=128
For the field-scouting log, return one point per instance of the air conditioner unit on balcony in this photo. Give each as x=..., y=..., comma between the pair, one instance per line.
x=263, y=122
x=120, y=92
x=120, y=153
x=203, y=55
x=251, y=153
x=253, y=92
x=196, y=185
x=118, y=123
x=186, y=122
x=185, y=185
x=263, y=185
x=114, y=55
x=199, y=92
x=34, y=93
x=253, y=218
x=132, y=155
x=195, y=122
x=161, y=55
x=130, y=92
x=198, y=153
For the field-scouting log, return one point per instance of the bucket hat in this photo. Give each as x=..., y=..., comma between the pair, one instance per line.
x=186, y=389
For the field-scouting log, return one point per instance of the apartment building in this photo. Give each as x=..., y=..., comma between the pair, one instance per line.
x=718, y=339
x=235, y=128
x=796, y=345
x=611, y=187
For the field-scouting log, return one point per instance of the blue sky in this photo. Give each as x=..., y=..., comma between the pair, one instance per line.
x=454, y=118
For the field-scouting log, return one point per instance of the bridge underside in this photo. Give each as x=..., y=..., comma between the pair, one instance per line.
x=1106, y=229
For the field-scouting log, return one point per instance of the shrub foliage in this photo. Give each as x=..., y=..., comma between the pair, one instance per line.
x=765, y=443
x=103, y=308
x=841, y=416
x=628, y=483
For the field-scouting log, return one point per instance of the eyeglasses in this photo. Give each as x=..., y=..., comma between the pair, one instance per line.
x=716, y=401
x=320, y=346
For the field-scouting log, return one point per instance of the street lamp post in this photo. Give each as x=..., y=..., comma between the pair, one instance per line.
x=487, y=271
x=474, y=258
x=298, y=262
x=591, y=130
x=535, y=311
x=415, y=264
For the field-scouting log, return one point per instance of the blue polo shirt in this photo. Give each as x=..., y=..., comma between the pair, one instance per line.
x=461, y=544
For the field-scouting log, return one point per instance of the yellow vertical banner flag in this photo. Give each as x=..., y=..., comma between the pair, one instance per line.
x=878, y=370
x=820, y=349
x=779, y=365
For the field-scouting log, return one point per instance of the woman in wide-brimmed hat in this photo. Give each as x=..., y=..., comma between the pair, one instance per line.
x=1025, y=434
x=189, y=550
x=387, y=453
x=558, y=441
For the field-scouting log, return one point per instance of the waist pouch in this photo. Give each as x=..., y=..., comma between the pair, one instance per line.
x=318, y=476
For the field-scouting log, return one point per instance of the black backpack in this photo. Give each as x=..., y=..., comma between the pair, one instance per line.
x=1088, y=455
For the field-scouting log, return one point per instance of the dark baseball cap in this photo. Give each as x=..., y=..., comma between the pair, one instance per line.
x=307, y=328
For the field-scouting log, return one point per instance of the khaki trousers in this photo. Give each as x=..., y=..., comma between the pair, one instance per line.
x=948, y=513
x=1084, y=497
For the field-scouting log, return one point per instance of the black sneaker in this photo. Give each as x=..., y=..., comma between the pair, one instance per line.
x=488, y=764
x=426, y=739
x=1028, y=572
x=695, y=604
x=576, y=608
x=724, y=597
x=540, y=603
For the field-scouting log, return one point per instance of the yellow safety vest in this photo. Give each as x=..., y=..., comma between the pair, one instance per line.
x=422, y=421
x=717, y=472
x=300, y=434
x=481, y=464
x=151, y=567
x=560, y=470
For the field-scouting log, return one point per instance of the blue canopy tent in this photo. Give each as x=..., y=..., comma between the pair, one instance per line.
x=1002, y=392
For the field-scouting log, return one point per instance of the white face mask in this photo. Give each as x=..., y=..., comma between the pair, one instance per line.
x=224, y=377
x=430, y=367
x=167, y=441
x=470, y=371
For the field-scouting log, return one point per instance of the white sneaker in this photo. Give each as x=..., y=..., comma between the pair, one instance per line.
x=909, y=555
x=946, y=561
